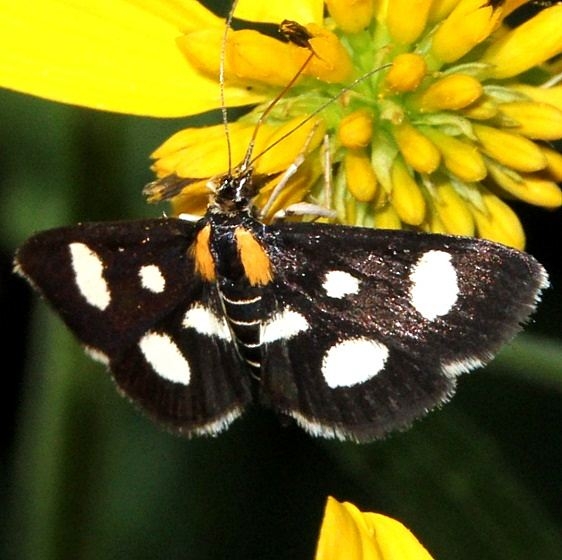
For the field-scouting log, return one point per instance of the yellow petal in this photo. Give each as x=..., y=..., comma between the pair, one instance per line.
x=192, y=200
x=294, y=192
x=481, y=110
x=453, y=211
x=406, y=73
x=526, y=45
x=470, y=22
x=360, y=177
x=291, y=139
x=553, y=163
x=534, y=120
x=248, y=56
x=460, y=158
x=386, y=217
x=452, y=92
x=418, y=151
x=440, y=9
x=509, y=6
x=351, y=16
x=433, y=222
x=183, y=16
x=202, y=152
x=109, y=54
x=191, y=137
x=303, y=11
x=351, y=205
x=499, y=223
x=550, y=95
x=356, y=129
x=332, y=63
x=529, y=188
x=407, y=198
x=350, y=534
x=512, y=150
x=406, y=30
x=208, y=156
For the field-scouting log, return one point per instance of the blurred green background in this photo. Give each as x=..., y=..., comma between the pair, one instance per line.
x=85, y=476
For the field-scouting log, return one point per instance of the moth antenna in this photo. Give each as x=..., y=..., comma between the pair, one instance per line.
x=224, y=111
x=247, y=162
x=343, y=90
x=222, y=63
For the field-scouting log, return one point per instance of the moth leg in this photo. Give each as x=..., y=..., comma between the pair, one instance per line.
x=327, y=169
x=311, y=209
x=305, y=209
x=289, y=172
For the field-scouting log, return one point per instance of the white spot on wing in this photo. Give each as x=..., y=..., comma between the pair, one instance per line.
x=283, y=325
x=205, y=322
x=165, y=357
x=353, y=361
x=88, y=275
x=338, y=284
x=152, y=279
x=434, y=290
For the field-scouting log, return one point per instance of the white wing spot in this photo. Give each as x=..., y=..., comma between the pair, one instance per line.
x=434, y=290
x=165, y=357
x=283, y=325
x=205, y=322
x=353, y=361
x=152, y=279
x=88, y=275
x=338, y=284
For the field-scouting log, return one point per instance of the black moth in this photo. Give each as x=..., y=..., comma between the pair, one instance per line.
x=352, y=332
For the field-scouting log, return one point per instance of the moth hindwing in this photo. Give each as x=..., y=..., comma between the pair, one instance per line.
x=352, y=332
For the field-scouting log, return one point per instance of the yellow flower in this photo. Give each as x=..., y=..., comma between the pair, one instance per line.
x=350, y=534
x=450, y=110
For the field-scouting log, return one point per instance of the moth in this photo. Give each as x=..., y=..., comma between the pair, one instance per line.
x=352, y=332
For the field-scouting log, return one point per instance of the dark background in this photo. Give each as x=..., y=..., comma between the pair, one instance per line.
x=84, y=476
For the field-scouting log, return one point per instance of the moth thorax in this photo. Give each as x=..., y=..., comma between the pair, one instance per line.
x=202, y=256
x=254, y=258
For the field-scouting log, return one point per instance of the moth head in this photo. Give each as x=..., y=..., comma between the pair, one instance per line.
x=233, y=192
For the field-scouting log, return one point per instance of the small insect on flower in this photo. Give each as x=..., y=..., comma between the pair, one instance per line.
x=353, y=332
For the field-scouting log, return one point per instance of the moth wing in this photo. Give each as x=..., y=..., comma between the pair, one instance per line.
x=129, y=292
x=370, y=328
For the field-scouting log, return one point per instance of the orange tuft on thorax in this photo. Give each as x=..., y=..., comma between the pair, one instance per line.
x=204, y=263
x=255, y=260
